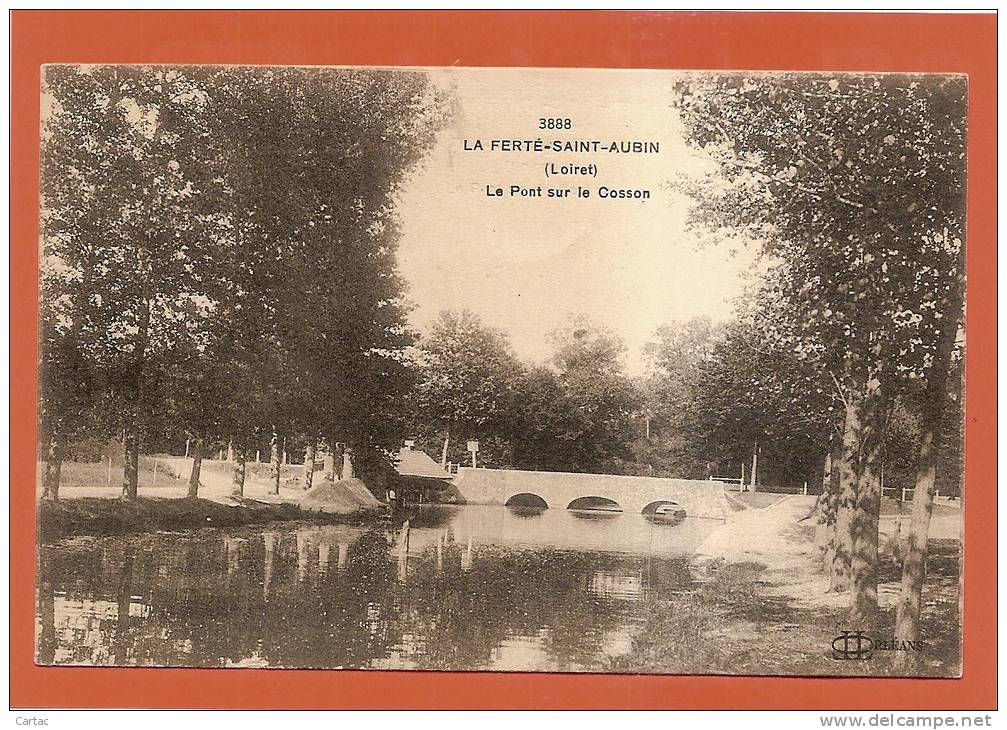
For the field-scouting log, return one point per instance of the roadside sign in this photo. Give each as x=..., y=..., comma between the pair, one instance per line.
x=473, y=446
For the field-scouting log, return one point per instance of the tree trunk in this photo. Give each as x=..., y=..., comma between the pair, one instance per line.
x=274, y=461
x=339, y=451
x=846, y=495
x=197, y=465
x=444, y=449
x=335, y=460
x=131, y=442
x=826, y=512
x=131, y=469
x=347, y=463
x=53, y=467
x=864, y=561
x=238, y=475
x=907, y=620
x=896, y=541
x=309, y=464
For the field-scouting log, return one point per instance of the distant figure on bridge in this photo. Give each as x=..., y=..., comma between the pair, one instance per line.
x=393, y=499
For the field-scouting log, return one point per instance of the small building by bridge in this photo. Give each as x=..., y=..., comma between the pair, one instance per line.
x=420, y=477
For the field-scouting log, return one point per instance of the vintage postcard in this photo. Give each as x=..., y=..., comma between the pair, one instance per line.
x=584, y=370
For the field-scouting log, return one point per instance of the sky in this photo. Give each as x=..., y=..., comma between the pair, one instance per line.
x=525, y=265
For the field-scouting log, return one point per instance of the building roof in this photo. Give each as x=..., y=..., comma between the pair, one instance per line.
x=413, y=463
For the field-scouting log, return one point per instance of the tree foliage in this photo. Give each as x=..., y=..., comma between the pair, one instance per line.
x=854, y=187
x=467, y=380
x=218, y=251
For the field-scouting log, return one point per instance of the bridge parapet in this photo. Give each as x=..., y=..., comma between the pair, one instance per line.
x=699, y=498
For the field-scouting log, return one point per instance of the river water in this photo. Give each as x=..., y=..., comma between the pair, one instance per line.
x=468, y=587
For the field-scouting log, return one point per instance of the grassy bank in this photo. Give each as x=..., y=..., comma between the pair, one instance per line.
x=729, y=625
x=762, y=607
x=95, y=516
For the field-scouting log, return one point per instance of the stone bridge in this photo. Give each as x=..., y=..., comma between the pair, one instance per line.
x=558, y=490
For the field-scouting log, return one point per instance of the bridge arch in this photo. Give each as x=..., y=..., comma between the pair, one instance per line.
x=526, y=500
x=662, y=507
x=599, y=504
x=700, y=498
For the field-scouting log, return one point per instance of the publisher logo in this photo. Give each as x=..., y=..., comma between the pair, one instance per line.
x=857, y=645
x=852, y=645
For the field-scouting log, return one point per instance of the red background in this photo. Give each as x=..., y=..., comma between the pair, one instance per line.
x=801, y=41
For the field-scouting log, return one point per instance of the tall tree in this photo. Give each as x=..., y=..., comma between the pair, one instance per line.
x=130, y=139
x=907, y=622
x=855, y=183
x=605, y=401
x=467, y=376
x=675, y=357
x=70, y=368
x=324, y=157
x=213, y=226
x=752, y=389
x=546, y=423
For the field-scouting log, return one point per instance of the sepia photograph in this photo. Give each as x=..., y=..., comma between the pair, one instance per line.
x=501, y=369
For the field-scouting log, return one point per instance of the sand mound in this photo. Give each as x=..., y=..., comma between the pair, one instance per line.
x=347, y=495
x=776, y=537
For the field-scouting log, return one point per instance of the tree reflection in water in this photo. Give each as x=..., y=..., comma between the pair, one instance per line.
x=339, y=596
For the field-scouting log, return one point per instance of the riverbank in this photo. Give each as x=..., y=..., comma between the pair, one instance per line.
x=90, y=504
x=761, y=606
x=105, y=516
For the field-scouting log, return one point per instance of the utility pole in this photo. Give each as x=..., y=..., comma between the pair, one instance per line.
x=755, y=465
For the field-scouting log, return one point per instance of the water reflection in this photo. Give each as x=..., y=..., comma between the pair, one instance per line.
x=595, y=515
x=616, y=585
x=451, y=588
